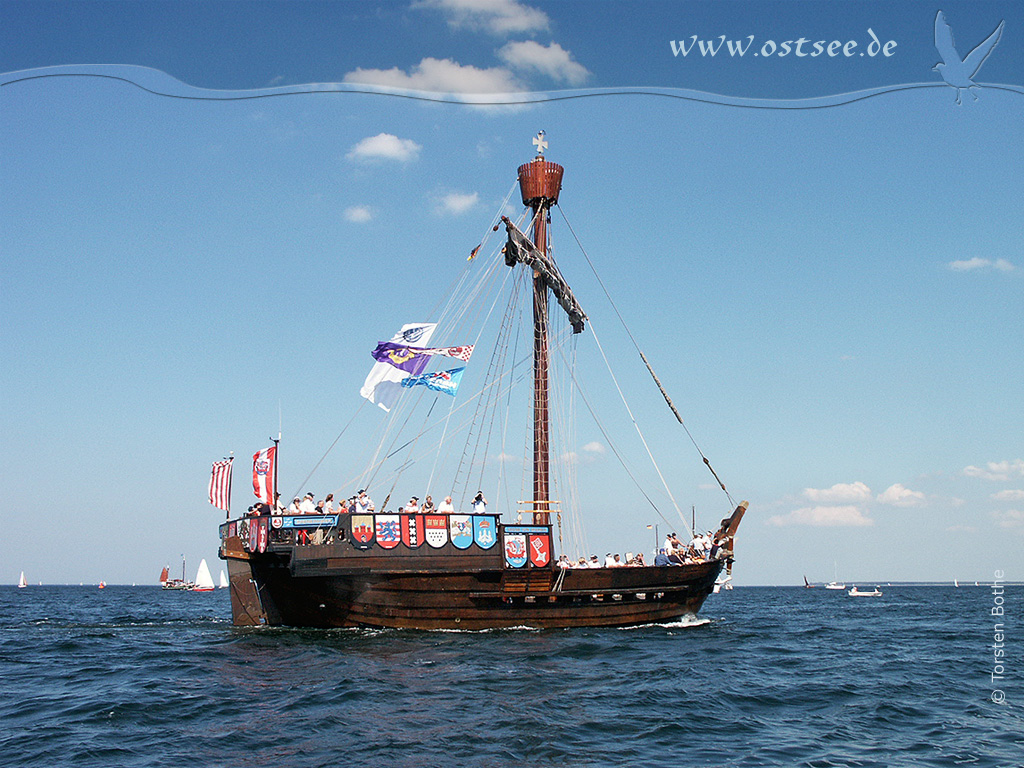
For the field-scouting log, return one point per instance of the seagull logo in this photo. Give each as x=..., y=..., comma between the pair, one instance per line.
x=957, y=72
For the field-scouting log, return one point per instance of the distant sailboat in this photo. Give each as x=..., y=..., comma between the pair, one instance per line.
x=834, y=584
x=204, y=580
x=103, y=585
x=223, y=579
x=164, y=575
x=21, y=582
x=956, y=583
x=807, y=584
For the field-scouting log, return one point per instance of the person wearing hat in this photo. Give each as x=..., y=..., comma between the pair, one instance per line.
x=593, y=562
x=364, y=504
x=413, y=507
x=306, y=506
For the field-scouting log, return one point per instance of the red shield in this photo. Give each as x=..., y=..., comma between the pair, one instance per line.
x=540, y=549
x=412, y=530
x=362, y=528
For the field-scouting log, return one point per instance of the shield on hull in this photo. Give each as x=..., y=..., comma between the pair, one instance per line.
x=515, y=549
x=484, y=531
x=436, y=530
x=362, y=531
x=540, y=549
x=461, y=530
x=412, y=530
x=388, y=532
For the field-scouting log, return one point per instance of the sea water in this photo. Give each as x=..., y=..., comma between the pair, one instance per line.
x=135, y=676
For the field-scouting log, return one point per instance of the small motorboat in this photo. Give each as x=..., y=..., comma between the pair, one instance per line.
x=876, y=592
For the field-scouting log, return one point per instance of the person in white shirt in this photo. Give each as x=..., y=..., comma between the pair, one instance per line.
x=306, y=506
x=364, y=504
x=446, y=507
x=413, y=507
x=479, y=503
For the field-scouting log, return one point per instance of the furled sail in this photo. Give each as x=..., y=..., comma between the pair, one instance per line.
x=520, y=250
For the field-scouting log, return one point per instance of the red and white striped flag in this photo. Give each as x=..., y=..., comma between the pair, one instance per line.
x=220, y=484
x=263, y=474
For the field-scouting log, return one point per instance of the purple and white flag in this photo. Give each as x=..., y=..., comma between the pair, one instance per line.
x=383, y=384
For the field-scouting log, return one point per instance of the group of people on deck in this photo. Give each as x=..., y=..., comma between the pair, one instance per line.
x=610, y=561
x=674, y=552
x=361, y=504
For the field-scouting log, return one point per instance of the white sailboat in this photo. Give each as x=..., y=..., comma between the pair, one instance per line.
x=21, y=582
x=204, y=580
x=223, y=579
x=834, y=584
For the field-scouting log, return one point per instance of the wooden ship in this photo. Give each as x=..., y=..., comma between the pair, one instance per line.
x=461, y=571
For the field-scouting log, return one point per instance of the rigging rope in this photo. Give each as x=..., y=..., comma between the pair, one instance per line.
x=643, y=357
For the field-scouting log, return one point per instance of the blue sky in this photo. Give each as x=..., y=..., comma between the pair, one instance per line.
x=832, y=296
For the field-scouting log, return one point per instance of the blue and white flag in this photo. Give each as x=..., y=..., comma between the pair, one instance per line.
x=442, y=381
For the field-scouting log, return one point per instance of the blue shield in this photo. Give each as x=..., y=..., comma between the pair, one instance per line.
x=461, y=529
x=515, y=549
x=485, y=531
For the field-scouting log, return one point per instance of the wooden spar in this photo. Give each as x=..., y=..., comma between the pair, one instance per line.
x=540, y=182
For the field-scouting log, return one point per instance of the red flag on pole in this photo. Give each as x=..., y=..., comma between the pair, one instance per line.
x=220, y=484
x=263, y=474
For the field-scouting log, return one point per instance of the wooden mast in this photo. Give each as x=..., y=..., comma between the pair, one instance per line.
x=540, y=182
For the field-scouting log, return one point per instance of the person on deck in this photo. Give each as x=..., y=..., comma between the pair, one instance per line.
x=446, y=507
x=428, y=505
x=364, y=504
x=661, y=558
x=479, y=503
x=293, y=508
x=329, y=504
x=306, y=506
x=593, y=562
x=413, y=507
x=563, y=562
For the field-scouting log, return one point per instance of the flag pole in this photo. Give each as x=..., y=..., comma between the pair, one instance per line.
x=231, y=462
x=277, y=460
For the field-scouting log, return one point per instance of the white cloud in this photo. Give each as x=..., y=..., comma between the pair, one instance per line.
x=966, y=265
x=595, y=448
x=385, y=146
x=499, y=17
x=1000, y=471
x=898, y=496
x=848, y=516
x=1011, y=518
x=358, y=214
x=551, y=60
x=440, y=76
x=456, y=203
x=1009, y=495
x=840, y=492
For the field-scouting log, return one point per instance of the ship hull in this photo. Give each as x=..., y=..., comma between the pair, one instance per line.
x=469, y=600
x=328, y=587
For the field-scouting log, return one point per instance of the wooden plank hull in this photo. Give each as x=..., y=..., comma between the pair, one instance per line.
x=266, y=590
